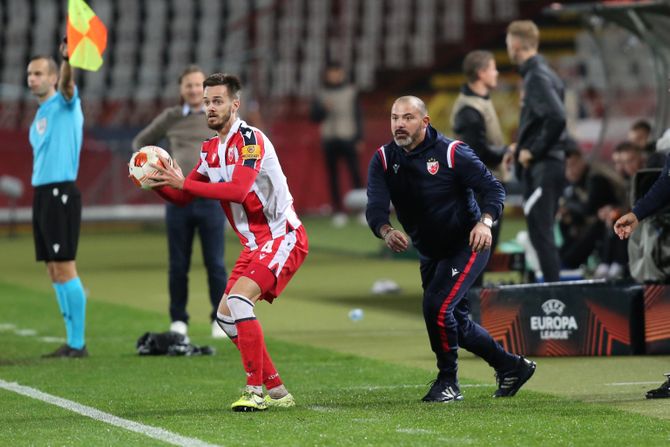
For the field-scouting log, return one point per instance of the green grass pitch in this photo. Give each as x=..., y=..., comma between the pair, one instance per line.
x=356, y=383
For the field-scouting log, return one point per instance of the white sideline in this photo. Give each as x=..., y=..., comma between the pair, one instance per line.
x=393, y=387
x=146, y=430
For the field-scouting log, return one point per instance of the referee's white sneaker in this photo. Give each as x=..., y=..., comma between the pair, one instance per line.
x=179, y=327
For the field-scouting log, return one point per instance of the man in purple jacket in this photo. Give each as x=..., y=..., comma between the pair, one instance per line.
x=431, y=181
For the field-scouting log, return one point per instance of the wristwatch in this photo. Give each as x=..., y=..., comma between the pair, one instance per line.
x=487, y=221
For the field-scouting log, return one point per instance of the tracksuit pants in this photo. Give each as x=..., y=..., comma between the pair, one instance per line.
x=446, y=283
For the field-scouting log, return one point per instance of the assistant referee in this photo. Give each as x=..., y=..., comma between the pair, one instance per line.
x=56, y=137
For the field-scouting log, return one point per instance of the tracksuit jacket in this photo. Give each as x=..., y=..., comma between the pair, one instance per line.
x=432, y=189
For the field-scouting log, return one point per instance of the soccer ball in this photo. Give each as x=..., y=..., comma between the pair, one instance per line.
x=140, y=164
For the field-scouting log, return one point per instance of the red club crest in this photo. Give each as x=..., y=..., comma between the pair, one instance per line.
x=213, y=159
x=433, y=166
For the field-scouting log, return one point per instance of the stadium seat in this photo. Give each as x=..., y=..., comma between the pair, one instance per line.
x=453, y=20
x=11, y=76
x=121, y=81
x=44, y=29
x=94, y=83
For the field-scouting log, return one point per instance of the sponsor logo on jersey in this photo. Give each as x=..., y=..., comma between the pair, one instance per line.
x=396, y=167
x=433, y=166
x=553, y=325
x=251, y=152
x=454, y=272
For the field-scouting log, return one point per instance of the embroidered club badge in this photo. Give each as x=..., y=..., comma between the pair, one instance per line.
x=433, y=166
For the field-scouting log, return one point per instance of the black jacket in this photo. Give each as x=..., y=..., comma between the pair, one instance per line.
x=432, y=189
x=542, y=122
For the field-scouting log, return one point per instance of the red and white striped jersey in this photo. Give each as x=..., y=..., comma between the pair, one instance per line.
x=267, y=210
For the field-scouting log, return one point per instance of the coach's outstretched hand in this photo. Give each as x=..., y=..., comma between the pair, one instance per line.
x=168, y=174
x=625, y=225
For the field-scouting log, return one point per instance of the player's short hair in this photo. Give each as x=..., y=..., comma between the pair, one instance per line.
x=232, y=82
x=188, y=70
x=527, y=32
x=416, y=101
x=474, y=62
x=52, y=66
x=641, y=125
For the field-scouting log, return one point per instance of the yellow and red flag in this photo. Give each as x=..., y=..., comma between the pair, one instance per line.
x=86, y=36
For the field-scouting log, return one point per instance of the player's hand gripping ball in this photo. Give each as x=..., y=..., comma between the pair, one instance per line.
x=140, y=165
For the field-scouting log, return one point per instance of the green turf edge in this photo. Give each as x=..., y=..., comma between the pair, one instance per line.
x=337, y=405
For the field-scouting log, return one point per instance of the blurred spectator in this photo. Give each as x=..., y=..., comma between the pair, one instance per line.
x=592, y=103
x=640, y=135
x=592, y=188
x=628, y=159
x=185, y=127
x=617, y=163
x=337, y=108
x=541, y=139
x=474, y=120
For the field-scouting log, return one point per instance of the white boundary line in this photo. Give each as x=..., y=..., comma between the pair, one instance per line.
x=393, y=387
x=632, y=383
x=146, y=430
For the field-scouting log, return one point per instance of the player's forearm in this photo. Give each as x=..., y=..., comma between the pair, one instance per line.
x=178, y=196
x=235, y=190
x=219, y=191
x=656, y=198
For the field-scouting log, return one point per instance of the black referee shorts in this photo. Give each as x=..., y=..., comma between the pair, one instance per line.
x=56, y=221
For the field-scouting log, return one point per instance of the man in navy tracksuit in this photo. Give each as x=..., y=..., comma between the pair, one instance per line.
x=431, y=181
x=656, y=198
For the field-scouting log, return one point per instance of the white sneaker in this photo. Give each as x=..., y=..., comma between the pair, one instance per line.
x=340, y=220
x=384, y=286
x=615, y=271
x=217, y=332
x=601, y=271
x=179, y=327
